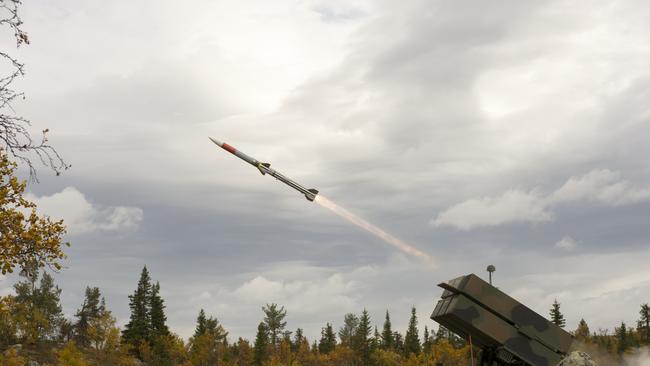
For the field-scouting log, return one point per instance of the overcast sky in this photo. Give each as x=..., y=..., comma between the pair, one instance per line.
x=510, y=133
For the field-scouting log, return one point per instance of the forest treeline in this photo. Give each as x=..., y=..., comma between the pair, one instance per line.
x=33, y=329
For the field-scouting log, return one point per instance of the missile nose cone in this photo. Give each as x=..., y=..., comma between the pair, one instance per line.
x=219, y=143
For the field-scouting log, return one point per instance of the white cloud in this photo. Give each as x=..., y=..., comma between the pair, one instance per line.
x=81, y=216
x=566, y=243
x=602, y=186
x=512, y=206
x=309, y=296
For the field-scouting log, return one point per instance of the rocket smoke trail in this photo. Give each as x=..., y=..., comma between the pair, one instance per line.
x=388, y=238
x=312, y=195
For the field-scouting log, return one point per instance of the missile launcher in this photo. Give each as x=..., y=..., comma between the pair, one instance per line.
x=506, y=331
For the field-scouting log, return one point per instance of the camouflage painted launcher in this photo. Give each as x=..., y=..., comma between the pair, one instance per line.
x=508, y=332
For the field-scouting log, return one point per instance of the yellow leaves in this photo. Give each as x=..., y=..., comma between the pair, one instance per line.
x=70, y=355
x=25, y=241
x=11, y=358
x=382, y=357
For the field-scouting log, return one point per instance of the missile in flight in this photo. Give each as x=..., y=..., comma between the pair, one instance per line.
x=265, y=168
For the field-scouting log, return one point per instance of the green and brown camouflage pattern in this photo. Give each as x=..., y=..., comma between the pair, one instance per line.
x=496, y=322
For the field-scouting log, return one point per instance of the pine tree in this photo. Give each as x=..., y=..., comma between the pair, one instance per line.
x=157, y=313
x=644, y=324
x=90, y=309
x=412, y=339
x=261, y=347
x=360, y=340
x=349, y=329
x=138, y=329
x=387, y=340
x=274, y=321
x=427, y=342
x=582, y=332
x=556, y=316
x=327, y=339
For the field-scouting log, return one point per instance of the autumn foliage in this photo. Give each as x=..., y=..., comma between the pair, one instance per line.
x=27, y=239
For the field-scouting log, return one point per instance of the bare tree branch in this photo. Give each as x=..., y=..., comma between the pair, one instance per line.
x=14, y=129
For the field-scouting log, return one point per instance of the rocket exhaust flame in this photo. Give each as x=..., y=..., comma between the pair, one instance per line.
x=388, y=238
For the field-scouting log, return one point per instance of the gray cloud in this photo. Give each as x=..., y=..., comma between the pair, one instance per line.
x=600, y=186
x=411, y=109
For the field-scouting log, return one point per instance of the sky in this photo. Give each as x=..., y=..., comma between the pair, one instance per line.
x=510, y=133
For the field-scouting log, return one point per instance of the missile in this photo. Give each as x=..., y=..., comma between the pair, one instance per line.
x=265, y=168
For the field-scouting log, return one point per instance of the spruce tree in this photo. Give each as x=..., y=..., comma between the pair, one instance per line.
x=274, y=320
x=200, y=324
x=261, y=347
x=157, y=313
x=556, y=316
x=138, y=329
x=360, y=340
x=427, y=343
x=327, y=339
x=375, y=341
x=387, y=340
x=412, y=339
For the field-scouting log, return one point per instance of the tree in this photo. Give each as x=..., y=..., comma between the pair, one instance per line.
x=70, y=355
x=104, y=346
x=387, y=340
x=274, y=320
x=360, y=339
x=327, y=339
x=11, y=358
x=427, y=342
x=556, y=316
x=201, y=321
x=157, y=313
x=138, y=329
x=375, y=341
x=27, y=240
x=297, y=340
x=261, y=347
x=209, y=341
x=90, y=309
x=349, y=329
x=644, y=323
x=582, y=332
x=38, y=310
x=399, y=342
x=244, y=353
x=623, y=338
x=412, y=339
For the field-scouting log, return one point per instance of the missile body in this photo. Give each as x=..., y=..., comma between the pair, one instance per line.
x=265, y=168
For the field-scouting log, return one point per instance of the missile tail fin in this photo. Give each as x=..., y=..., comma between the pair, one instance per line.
x=261, y=169
x=311, y=197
